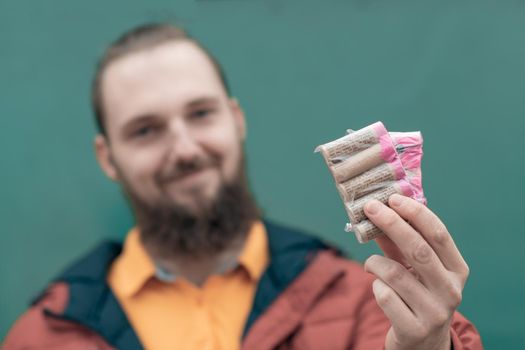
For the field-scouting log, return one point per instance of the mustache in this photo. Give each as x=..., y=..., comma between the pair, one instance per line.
x=185, y=167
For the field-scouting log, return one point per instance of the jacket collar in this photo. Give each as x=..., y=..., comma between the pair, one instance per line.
x=290, y=252
x=93, y=304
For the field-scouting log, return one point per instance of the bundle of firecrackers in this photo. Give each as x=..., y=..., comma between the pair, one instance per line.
x=372, y=163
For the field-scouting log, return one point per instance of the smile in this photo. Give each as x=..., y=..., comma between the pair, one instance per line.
x=191, y=177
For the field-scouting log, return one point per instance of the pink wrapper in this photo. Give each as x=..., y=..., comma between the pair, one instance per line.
x=388, y=148
x=406, y=188
x=409, y=146
x=398, y=168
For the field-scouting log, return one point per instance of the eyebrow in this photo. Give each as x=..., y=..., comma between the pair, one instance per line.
x=202, y=100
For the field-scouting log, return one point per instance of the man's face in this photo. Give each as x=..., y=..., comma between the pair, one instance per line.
x=173, y=135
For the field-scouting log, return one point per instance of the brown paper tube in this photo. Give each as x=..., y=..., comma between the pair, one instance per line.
x=336, y=151
x=369, y=181
x=355, y=209
x=366, y=231
x=358, y=164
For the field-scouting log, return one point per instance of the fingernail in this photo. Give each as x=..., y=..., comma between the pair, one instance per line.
x=373, y=207
x=376, y=286
x=365, y=266
x=396, y=200
x=368, y=261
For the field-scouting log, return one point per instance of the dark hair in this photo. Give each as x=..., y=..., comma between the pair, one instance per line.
x=137, y=39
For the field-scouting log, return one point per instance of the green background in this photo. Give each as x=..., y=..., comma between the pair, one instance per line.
x=304, y=71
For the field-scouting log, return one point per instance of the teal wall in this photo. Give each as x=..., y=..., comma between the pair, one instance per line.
x=304, y=72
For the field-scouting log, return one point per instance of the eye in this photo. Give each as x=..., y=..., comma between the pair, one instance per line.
x=201, y=113
x=144, y=131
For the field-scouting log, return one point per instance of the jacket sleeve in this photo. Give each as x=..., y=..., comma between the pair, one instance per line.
x=464, y=335
x=35, y=330
x=372, y=325
x=31, y=328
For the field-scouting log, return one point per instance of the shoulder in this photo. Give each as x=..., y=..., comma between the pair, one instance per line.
x=39, y=328
x=41, y=324
x=35, y=327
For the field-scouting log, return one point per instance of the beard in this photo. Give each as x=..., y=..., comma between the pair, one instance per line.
x=169, y=229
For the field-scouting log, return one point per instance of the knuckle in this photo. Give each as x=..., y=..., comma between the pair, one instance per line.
x=439, y=318
x=441, y=234
x=414, y=209
x=422, y=252
x=455, y=296
x=389, y=219
x=395, y=273
x=463, y=273
x=466, y=272
x=419, y=331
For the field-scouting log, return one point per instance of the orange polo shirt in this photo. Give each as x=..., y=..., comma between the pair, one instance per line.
x=180, y=315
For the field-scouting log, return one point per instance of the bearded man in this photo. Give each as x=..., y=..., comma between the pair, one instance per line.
x=202, y=269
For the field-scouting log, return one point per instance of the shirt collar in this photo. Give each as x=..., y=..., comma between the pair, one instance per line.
x=134, y=267
x=254, y=256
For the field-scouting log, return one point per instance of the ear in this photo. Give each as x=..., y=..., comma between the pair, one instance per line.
x=104, y=157
x=238, y=114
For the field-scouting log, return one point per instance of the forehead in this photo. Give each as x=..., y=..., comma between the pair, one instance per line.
x=175, y=72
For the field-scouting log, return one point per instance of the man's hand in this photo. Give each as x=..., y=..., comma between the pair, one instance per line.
x=420, y=279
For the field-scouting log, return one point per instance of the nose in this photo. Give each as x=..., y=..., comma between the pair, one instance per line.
x=182, y=145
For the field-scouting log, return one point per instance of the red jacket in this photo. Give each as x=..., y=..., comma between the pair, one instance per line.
x=309, y=298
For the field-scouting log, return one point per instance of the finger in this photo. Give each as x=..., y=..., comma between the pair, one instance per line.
x=410, y=290
x=395, y=309
x=414, y=248
x=433, y=230
x=390, y=250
